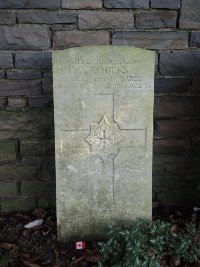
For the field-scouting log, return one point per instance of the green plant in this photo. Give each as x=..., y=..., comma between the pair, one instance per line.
x=5, y=258
x=147, y=244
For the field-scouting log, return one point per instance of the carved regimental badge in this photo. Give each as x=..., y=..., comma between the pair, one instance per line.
x=104, y=139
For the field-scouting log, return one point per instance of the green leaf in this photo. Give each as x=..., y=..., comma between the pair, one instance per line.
x=100, y=264
x=153, y=241
x=145, y=263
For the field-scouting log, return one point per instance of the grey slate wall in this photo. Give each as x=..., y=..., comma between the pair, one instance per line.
x=29, y=29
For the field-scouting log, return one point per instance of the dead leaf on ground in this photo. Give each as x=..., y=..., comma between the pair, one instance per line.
x=7, y=246
x=19, y=215
x=46, y=230
x=40, y=213
x=30, y=264
x=25, y=255
x=150, y=253
x=78, y=260
x=2, y=219
x=173, y=228
x=179, y=213
x=26, y=233
x=93, y=259
x=34, y=224
x=176, y=260
x=36, y=258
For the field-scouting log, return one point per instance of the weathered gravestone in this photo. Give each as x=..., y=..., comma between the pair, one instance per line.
x=103, y=99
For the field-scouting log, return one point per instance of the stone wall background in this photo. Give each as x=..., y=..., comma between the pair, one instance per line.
x=29, y=29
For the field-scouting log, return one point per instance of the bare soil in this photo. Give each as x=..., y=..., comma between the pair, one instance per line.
x=37, y=247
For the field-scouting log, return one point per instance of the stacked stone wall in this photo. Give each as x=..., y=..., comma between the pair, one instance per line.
x=30, y=29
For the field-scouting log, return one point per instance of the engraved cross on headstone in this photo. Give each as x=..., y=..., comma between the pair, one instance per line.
x=106, y=139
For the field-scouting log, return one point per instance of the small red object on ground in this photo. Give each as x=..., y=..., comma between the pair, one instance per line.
x=80, y=245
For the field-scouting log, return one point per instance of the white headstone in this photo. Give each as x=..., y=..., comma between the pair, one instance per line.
x=103, y=104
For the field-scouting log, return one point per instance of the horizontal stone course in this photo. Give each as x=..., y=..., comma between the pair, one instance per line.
x=64, y=27
x=126, y=3
x=23, y=75
x=172, y=85
x=171, y=106
x=158, y=169
x=156, y=19
x=177, y=128
x=26, y=124
x=7, y=18
x=152, y=40
x=37, y=161
x=33, y=60
x=13, y=172
x=16, y=103
x=2, y=74
x=37, y=189
x=6, y=60
x=47, y=202
x=190, y=167
x=180, y=197
x=182, y=63
x=8, y=189
x=169, y=4
x=196, y=86
x=46, y=17
x=75, y=39
x=37, y=148
x=105, y=20
x=163, y=182
x=40, y=102
x=190, y=182
x=48, y=171
x=80, y=4
x=165, y=159
x=3, y=102
x=195, y=39
x=29, y=188
x=17, y=204
x=47, y=75
x=7, y=150
x=171, y=147
x=195, y=148
x=30, y=37
x=46, y=4
x=47, y=86
x=13, y=88
x=50, y=193
x=190, y=14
